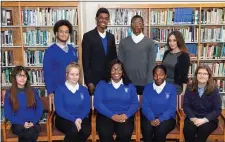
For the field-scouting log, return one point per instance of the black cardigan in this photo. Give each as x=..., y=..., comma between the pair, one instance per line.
x=181, y=68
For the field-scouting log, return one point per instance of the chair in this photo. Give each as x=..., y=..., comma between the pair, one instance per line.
x=95, y=137
x=8, y=136
x=54, y=133
x=177, y=132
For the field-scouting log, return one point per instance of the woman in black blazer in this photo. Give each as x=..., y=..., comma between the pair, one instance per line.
x=177, y=61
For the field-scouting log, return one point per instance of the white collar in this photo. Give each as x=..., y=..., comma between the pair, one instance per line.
x=137, y=38
x=102, y=34
x=61, y=46
x=117, y=85
x=159, y=89
x=72, y=88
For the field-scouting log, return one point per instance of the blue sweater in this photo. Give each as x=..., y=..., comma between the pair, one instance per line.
x=109, y=101
x=54, y=65
x=72, y=105
x=162, y=105
x=208, y=106
x=23, y=114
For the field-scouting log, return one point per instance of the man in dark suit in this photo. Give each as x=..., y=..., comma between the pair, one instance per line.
x=98, y=49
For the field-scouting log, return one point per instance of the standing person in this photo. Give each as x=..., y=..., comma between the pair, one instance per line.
x=116, y=102
x=202, y=106
x=98, y=49
x=58, y=56
x=137, y=52
x=158, y=107
x=72, y=105
x=177, y=61
x=23, y=107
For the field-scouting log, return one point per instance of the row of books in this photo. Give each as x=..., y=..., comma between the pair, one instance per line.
x=36, y=76
x=7, y=58
x=43, y=119
x=213, y=34
x=7, y=38
x=123, y=16
x=121, y=32
x=220, y=83
x=48, y=16
x=213, y=16
x=39, y=37
x=6, y=17
x=160, y=50
x=34, y=58
x=174, y=16
x=190, y=34
x=42, y=92
x=218, y=69
x=212, y=52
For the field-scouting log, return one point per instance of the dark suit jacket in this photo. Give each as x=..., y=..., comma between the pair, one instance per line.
x=95, y=61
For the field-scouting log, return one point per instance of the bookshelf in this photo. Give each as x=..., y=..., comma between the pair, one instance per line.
x=202, y=25
x=27, y=30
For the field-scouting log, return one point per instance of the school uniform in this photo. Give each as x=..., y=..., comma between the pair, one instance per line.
x=24, y=114
x=159, y=102
x=56, y=59
x=72, y=103
x=112, y=98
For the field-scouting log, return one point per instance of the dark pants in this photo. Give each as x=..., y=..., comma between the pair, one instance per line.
x=26, y=135
x=106, y=127
x=156, y=134
x=140, y=89
x=70, y=130
x=192, y=133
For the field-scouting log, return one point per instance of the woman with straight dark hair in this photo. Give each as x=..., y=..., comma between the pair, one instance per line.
x=23, y=107
x=116, y=102
x=176, y=60
x=202, y=106
x=158, y=107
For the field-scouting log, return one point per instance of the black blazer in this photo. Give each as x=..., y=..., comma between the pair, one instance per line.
x=95, y=61
x=181, y=68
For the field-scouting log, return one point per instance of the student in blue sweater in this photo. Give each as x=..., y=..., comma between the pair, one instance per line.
x=23, y=107
x=58, y=56
x=158, y=107
x=72, y=105
x=116, y=101
x=202, y=106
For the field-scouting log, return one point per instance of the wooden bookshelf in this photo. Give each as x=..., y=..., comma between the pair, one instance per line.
x=18, y=30
x=197, y=24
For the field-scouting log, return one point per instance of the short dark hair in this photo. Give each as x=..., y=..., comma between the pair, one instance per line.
x=160, y=67
x=135, y=17
x=125, y=78
x=62, y=23
x=102, y=10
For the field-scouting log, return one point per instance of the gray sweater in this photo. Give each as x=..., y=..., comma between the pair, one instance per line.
x=138, y=59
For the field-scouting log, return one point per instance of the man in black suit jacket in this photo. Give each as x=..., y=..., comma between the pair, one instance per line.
x=98, y=49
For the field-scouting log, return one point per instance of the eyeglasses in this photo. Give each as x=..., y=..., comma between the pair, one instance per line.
x=203, y=74
x=61, y=32
x=118, y=69
x=21, y=75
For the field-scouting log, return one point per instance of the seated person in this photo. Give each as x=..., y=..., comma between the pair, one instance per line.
x=23, y=106
x=116, y=102
x=202, y=106
x=158, y=107
x=72, y=105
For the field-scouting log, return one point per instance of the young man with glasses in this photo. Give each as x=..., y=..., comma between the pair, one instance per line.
x=137, y=52
x=58, y=56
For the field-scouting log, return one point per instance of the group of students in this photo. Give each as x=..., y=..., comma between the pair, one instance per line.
x=115, y=83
